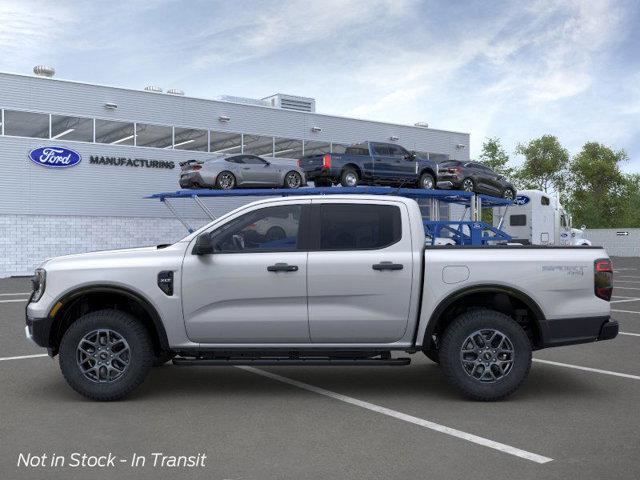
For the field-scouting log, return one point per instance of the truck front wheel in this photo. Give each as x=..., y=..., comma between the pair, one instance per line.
x=106, y=354
x=485, y=354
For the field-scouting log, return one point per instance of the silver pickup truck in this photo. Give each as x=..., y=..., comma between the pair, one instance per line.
x=320, y=280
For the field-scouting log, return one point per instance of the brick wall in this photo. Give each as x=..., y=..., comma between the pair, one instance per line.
x=26, y=240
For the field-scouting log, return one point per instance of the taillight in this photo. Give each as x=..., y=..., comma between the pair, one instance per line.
x=196, y=167
x=603, y=278
x=326, y=161
x=299, y=162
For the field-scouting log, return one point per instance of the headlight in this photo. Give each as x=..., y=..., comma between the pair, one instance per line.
x=38, y=281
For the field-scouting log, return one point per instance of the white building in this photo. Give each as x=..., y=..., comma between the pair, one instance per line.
x=142, y=136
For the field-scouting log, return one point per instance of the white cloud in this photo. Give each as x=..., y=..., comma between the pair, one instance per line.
x=30, y=30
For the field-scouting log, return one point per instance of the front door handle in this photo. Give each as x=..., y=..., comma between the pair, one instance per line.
x=387, y=266
x=282, y=267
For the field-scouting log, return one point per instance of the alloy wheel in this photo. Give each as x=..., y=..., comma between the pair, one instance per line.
x=467, y=185
x=293, y=180
x=103, y=355
x=351, y=179
x=427, y=182
x=508, y=194
x=487, y=355
x=226, y=181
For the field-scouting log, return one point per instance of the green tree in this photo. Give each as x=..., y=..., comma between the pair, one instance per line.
x=631, y=202
x=495, y=157
x=599, y=191
x=545, y=164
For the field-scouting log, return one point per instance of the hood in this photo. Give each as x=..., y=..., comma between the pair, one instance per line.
x=112, y=258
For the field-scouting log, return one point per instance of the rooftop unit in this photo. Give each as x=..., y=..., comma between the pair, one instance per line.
x=244, y=100
x=291, y=102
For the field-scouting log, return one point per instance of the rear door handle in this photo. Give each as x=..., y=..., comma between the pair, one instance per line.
x=282, y=267
x=387, y=266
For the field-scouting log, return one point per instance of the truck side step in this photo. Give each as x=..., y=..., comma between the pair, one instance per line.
x=311, y=361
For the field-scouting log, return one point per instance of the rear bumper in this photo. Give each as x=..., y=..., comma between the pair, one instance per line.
x=318, y=172
x=192, y=180
x=449, y=183
x=571, y=331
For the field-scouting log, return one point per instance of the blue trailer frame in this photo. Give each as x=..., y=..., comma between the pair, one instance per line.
x=462, y=232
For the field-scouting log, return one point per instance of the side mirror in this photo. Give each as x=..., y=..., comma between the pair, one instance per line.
x=410, y=156
x=583, y=227
x=267, y=163
x=203, y=245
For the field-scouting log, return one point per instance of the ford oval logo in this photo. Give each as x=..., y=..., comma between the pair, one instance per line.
x=56, y=157
x=521, y=200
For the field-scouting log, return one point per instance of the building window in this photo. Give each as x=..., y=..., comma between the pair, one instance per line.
x=72, y=128
x=338, y=147
x=224, y=142
x=258, y=145
x=114, y=133
x=26, y=124
x=312, y=147
x=190, y=139
x=157, y=136
x=287, y=148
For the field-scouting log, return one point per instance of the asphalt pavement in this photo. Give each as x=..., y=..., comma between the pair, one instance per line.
x=576, y=416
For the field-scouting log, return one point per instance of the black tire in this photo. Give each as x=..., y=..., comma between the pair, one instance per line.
x=295, y=184
x=433, y=355
x=225, y=180
x=163, y=358
x=458, y=334
x=140, y=354
x=322, y=182
x=346, y=178
x=468, y=185
x=509, y=194
x=427, y=179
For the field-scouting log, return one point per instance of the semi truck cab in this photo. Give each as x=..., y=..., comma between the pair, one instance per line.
x=537, y=218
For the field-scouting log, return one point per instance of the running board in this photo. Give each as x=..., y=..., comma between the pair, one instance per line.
x=207, y=362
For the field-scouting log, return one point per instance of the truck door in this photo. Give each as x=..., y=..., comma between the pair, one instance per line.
x=383, y=162
x=404, y=165
x=253, y=288
x=359, y=272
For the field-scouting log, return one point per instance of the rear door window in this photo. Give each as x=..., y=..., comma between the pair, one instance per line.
x=381, y=150
x=359, y=227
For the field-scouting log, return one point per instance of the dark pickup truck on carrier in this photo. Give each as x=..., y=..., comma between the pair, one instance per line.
x=371, y=163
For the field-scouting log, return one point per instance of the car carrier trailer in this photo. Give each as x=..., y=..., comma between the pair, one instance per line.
x=471, y=231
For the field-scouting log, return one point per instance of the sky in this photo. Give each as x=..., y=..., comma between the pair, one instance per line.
x=513, y=70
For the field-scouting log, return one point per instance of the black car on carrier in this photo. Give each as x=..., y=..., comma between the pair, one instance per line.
x=474, y=177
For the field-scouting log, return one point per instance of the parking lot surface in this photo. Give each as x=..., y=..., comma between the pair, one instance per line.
x=576, y=416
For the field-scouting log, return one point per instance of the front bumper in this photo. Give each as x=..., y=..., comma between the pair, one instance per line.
x=571, y=331
x=38, y=330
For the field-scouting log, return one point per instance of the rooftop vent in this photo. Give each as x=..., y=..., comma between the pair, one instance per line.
x=175, y=91
x=153, y=88
x=422, y=124
x=292, y=102
x=44, y=71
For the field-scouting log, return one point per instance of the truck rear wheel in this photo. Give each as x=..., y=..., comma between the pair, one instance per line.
x=485, y=354
x=105, y=355
x=349, y=178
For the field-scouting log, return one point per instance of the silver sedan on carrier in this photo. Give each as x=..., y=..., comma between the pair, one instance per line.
x=239, y=170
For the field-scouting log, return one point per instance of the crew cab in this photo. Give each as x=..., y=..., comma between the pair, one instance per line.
x=349, y=282
x=371, y=163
